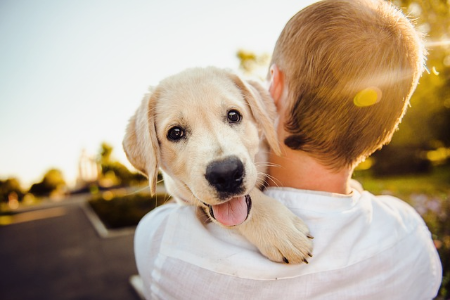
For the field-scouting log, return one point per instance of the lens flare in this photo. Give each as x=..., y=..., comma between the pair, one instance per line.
x=367, y=97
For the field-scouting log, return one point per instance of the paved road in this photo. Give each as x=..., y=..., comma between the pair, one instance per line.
x=58, y=255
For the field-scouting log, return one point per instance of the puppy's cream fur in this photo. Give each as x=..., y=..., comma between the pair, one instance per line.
x=198, y=100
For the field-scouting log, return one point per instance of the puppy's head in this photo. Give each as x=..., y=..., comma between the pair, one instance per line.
x=203, y=128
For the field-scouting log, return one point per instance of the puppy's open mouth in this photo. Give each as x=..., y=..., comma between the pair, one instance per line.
x=233, y=212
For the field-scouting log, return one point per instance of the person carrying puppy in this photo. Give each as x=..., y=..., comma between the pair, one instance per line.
x=341, y=77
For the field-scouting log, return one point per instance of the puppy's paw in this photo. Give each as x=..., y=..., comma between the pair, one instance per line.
x=278, y=234
x=289, y=242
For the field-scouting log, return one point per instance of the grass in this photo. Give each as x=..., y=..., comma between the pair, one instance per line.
x=429, y=194
x=437, y=183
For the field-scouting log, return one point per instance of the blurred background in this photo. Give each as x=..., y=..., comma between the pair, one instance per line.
x=73, y=73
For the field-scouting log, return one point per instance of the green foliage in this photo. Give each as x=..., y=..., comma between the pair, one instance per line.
x=8, y=187
x=400, y=160
x=53, y=180
x=105, y=153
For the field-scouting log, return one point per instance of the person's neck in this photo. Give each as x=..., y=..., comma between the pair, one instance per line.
x=299, y=170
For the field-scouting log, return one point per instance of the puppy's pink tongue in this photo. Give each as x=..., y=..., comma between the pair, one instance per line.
x=232, y=212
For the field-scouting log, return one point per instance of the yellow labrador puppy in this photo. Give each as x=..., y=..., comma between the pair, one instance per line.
x=209, y=132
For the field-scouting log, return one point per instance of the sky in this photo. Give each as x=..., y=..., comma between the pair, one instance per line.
x=73, y=72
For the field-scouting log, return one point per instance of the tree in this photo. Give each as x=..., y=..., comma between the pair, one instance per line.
x=105, y=153
x=113, y=172
x=52, y=181
x=426, y=122
x=8, y=187
x=253, y=64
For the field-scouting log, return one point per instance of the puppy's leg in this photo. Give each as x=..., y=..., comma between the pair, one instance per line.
x=278, y=234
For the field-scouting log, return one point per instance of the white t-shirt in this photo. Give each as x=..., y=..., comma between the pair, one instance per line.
x=365, y=247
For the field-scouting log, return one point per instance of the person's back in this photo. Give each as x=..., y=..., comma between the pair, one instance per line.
x=366, y=247
x=342, y=75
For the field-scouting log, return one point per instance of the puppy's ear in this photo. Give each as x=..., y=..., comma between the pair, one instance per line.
x=140, y=142
x=262, y=107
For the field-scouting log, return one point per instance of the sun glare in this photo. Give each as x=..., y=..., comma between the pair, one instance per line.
x=432, y=44
x=367, y=97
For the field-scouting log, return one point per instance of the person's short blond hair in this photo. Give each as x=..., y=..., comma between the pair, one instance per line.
x=350, y=68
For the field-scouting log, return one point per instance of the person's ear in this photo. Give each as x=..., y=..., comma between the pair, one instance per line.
x=276, y=85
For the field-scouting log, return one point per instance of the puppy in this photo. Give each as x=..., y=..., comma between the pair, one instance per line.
x=209, y=133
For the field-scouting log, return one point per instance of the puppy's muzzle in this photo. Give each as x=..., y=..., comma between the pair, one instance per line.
x=226, y=176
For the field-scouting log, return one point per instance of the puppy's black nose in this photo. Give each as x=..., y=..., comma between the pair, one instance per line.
x=226, y=176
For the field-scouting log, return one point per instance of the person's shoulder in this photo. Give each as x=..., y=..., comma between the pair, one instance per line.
x=153, y=225
x=399, y=220
x=154, y=228
x=414, y=248
x=392, y=207
x=157, y=218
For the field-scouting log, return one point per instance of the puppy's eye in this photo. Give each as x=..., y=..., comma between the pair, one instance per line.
x=234, y=116
x=175, y=134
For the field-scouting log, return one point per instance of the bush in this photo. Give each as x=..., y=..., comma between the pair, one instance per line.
x=124, y=211
x=9, y=187
x=400, y=160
